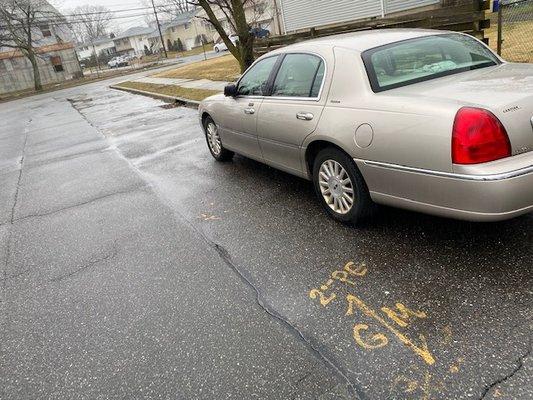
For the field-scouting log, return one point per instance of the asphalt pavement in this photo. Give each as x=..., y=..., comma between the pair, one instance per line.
x=135, y=266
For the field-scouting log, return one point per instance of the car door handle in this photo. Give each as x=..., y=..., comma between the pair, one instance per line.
x=305, y=116
x=249, y=111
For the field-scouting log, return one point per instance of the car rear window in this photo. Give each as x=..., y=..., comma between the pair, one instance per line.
x=421, y=59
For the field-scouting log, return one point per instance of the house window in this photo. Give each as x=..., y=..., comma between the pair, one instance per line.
x=45, y=30
x=57, y=63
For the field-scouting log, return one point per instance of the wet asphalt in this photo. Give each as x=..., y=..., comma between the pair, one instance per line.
x=135, y=266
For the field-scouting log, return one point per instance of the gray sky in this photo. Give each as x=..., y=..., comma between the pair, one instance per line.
x=114, y=5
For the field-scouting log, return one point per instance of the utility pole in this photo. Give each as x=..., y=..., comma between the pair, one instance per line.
x=96, y=59
x=201, y=38
x=159, y=28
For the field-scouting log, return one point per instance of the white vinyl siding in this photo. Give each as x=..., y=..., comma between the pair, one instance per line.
x=393, y=6
x=305, y=14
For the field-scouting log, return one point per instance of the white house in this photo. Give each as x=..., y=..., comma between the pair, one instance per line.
x=100, y=46
x=53, y=43
x=304, y=14
x=184, y=27
x=134, y=41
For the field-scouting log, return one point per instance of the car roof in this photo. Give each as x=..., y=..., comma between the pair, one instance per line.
x=364, y=40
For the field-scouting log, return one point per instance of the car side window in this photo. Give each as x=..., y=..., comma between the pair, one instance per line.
x=300, y=75
x=254, y=82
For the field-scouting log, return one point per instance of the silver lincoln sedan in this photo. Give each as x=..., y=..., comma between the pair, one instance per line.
x=425, y=120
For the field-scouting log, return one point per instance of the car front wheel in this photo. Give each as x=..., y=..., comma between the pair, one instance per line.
x=340, y=186
x=214, y=141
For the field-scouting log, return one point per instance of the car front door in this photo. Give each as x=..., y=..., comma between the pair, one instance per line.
x=239, y=119
x=292, y=111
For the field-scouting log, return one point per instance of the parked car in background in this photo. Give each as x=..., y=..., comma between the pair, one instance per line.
x=260, y=33
x=221, y=46
x=430, y=121
x=116, y=62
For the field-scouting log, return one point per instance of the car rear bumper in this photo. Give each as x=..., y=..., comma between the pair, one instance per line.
x=491, y=192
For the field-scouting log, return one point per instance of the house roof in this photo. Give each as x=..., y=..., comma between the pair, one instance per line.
x=180, y=19
x=135, y=31
x=97, y=41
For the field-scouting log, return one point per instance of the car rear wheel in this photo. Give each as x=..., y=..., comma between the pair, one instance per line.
x=340, y=186
x=214, y=141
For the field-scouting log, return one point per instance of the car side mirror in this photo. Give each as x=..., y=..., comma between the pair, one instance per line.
x=230, y=90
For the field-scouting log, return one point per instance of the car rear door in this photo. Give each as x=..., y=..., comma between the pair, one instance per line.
x=292, y=110
x=239, y=117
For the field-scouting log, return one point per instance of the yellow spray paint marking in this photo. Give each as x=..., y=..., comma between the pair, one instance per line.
x=377, y=340
x=455, y=367
x=420, y=350
x=412, y=386
x=403, y=316
x=346, y=276
x=324, y=300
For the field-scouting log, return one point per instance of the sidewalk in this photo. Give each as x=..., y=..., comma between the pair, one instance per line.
x=186, y=83
x=187, y=91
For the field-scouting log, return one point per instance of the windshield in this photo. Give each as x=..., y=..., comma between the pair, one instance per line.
x=416, y=60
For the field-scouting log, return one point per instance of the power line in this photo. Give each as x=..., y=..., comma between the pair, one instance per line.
x=109, y=11
x=59, y=22
x=59, y=19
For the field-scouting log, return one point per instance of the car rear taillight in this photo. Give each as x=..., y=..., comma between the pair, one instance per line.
x=478, y=137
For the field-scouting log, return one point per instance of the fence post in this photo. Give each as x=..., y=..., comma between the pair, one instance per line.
x=499, y=49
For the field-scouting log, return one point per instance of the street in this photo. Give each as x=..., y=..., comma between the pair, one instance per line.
x=135, y=266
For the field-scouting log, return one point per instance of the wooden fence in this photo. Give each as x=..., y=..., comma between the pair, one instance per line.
x=456, y=15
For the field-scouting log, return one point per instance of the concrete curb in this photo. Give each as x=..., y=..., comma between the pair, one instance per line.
x=164, y=97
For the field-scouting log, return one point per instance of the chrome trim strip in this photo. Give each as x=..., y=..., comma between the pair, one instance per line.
x=479, y=178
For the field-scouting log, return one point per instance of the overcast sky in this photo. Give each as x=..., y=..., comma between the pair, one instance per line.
x=114, y=5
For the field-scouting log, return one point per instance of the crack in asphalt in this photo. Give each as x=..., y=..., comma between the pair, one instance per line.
x=93, y=200
x=15, y=201
x=519, y=364
x=108, y=256
x=226, y=257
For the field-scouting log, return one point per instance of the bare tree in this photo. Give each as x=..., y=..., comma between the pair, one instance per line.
x=173, y=8
x=169, y=9
x=22, y=23
x=90, y=22
x=234, y=12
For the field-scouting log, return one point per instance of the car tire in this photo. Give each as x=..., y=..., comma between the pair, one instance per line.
x=340, y=187
x=214, y=142
x=217, y=50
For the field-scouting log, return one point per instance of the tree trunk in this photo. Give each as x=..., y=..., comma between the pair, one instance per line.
x=244, y=52
x=36, y=72
x=246, y=39
x=247, y=53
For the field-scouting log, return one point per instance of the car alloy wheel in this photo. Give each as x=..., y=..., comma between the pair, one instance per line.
x=213, y=138
x=340, y=186
x=336, y=187
x=214, y=141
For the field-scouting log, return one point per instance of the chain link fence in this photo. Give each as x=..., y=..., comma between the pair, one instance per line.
x=512, y=30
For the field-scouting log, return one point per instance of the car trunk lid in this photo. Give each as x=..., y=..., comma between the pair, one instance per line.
x=506, y=90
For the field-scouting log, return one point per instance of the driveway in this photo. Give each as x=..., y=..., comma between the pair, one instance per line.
x=137, y=267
